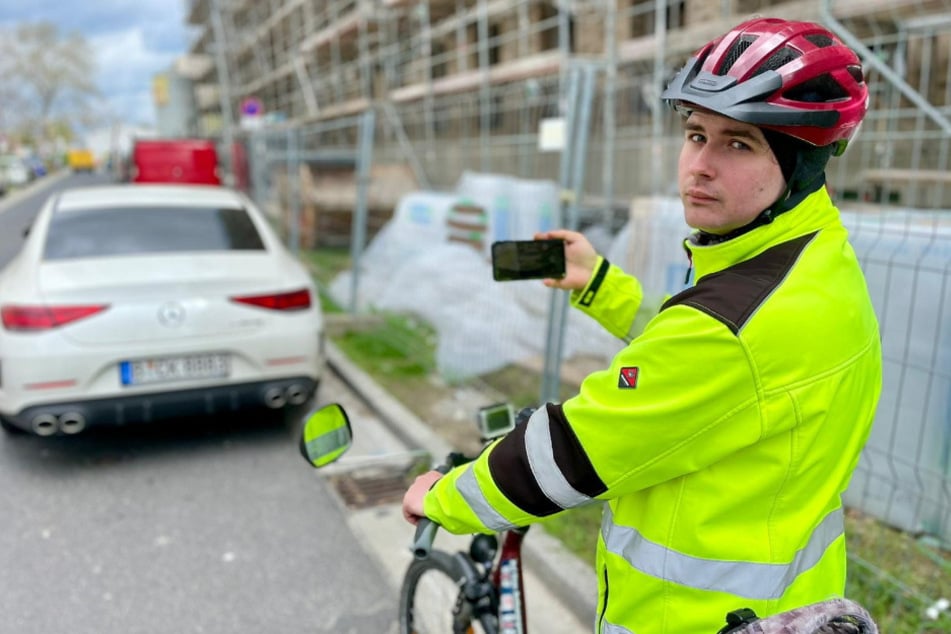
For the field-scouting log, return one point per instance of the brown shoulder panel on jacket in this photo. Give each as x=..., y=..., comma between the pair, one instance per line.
x=733, y=294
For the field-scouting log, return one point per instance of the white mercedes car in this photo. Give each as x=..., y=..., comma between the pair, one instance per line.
x=137, y=303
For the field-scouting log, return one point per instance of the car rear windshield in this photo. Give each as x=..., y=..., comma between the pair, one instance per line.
x=117, y=231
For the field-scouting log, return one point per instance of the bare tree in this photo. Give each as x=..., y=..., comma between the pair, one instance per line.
x=49, y=76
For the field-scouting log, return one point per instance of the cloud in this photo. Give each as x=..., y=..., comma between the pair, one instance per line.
x=165, y=19
x=126, y=67
x=131, y=41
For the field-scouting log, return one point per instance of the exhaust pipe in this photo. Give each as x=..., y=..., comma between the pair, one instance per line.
x=274, y=398
x=296, y=394
x=72, y=422
x=45, y=425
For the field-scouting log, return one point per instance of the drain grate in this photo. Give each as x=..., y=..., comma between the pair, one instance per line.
x=361, y=491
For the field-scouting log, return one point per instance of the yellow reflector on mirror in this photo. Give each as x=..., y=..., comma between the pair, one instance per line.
x=326, y=435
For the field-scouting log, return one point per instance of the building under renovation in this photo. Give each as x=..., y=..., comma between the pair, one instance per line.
x=465, y=84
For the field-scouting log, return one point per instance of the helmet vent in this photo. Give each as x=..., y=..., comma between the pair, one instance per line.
x=780, y=58
x=819, y=39
x=821, y=89
x=736, y=51
x=857, y=75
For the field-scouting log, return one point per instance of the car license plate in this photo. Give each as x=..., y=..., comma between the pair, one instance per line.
x=183, y=368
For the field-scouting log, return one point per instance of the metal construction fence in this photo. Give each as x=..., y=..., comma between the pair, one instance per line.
x=418, y=193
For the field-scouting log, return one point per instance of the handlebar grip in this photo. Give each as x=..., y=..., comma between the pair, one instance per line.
x=423, y=540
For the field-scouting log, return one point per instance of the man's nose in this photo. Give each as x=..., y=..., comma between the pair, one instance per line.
x=703, y=162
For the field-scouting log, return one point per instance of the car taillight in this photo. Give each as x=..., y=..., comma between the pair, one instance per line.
x=294, y=300
x=45, y=317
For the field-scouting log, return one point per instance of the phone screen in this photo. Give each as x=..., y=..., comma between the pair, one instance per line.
x=528, y=259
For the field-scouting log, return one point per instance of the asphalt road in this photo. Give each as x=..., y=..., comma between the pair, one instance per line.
x=198, y=526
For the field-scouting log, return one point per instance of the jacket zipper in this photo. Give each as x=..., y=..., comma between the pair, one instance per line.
x=689, y=263
x=604, y=603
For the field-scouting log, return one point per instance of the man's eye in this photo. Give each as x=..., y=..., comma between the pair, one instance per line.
x=739, y=145
x=696, y=137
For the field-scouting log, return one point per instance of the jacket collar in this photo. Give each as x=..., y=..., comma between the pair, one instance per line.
x=813, y=213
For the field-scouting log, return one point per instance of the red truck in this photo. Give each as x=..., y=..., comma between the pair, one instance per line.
x=175, y=161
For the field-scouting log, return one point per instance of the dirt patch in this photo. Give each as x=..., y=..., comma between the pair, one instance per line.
x=450, y=410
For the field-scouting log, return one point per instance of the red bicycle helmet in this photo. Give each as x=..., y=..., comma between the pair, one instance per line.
x=797, y=78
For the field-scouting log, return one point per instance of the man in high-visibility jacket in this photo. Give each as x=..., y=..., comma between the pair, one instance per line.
x=723, y=435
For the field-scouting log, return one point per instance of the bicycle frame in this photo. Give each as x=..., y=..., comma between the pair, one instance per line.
x=509, y=581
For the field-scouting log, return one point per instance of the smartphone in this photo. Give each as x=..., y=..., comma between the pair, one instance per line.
x=528, y=259
x=496, y=420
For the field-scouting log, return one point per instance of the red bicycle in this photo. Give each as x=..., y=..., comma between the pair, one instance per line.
x=479, y=590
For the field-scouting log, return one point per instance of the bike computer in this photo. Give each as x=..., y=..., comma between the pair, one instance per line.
x=496, y=420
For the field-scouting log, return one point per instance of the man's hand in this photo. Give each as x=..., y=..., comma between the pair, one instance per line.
x=580, y=259
x=413, y=498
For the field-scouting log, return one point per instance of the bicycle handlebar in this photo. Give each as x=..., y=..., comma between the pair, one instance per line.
x=423, y=540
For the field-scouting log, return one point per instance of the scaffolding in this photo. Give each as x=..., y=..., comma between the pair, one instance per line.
x=464, y=82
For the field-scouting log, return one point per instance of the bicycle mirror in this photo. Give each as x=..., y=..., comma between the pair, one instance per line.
x=326, y=435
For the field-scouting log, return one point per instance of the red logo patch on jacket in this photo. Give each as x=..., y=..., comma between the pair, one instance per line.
x=628, y=378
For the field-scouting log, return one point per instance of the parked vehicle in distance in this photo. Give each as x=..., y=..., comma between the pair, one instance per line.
x=175, y=161
x=36, y=166
x=138, y=303
x=14, y=171
x=81, y=160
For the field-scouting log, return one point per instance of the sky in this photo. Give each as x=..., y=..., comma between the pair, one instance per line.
x=132, y=40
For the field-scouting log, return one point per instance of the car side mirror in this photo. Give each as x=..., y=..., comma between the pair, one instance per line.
x=326, y=435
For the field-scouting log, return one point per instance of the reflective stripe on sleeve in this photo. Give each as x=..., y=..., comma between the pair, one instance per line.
x=746, y=579
x=469, y=488
x=538, y=447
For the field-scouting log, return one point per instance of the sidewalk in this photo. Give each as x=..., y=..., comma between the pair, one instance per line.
x=560, y=588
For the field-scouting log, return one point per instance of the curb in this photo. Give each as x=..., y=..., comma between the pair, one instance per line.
x=568, y=577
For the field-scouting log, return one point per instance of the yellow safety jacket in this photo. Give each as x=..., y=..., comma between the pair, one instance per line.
x=721, y=437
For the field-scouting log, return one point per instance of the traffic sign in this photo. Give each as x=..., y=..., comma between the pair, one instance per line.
x=252, y=107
